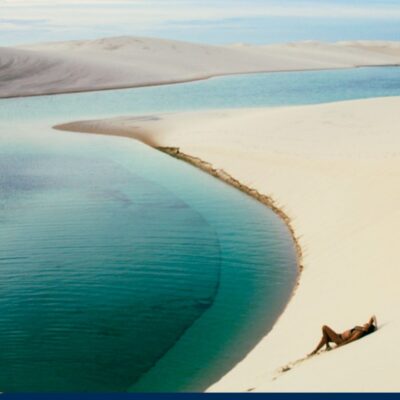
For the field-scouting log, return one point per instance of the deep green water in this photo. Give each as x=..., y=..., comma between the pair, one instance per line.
x=123, y=269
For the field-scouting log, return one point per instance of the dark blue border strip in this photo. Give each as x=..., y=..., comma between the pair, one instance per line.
x=198, y=396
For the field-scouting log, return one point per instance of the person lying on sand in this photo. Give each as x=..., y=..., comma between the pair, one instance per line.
x=329, y=335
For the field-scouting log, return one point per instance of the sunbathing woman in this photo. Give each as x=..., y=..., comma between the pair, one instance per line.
x=329, y=335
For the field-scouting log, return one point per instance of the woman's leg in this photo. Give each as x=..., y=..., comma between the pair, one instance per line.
x=319, y=346
x=331, y=335
x=328, y=335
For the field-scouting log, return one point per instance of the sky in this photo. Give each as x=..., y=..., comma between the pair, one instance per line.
x=216, y=22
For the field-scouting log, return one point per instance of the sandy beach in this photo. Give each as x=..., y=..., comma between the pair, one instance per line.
x=191, y=192
x=122, y=62
x=334, y=171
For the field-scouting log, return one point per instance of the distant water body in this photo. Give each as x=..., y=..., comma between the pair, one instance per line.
x=235, y=91
x=123, y=269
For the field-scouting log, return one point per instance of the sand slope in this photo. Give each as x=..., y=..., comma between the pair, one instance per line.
x=335, y=169
x=129, y=62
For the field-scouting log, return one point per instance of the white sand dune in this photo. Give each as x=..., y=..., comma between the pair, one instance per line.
x=129, y=62
x=335, y=170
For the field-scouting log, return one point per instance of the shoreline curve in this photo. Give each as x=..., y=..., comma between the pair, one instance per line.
x=222, y=175
x=338, y=181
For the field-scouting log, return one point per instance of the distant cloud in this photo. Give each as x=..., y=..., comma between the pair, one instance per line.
x=159, y=10
x=16, y=21
x=65, y=17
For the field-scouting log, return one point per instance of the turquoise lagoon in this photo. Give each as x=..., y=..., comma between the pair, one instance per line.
x=122, y=269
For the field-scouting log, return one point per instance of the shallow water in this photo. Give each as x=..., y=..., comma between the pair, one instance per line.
x=124, y=269
x=235, y=91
